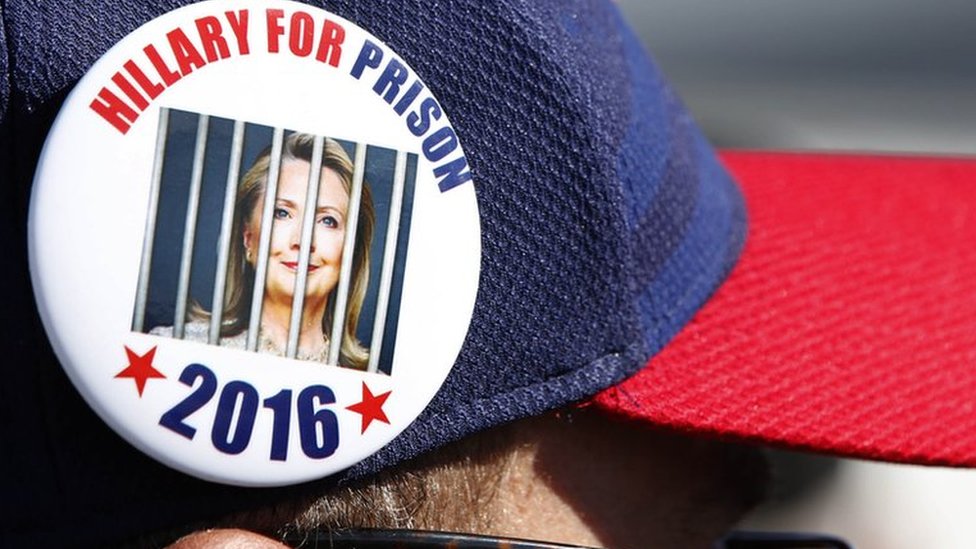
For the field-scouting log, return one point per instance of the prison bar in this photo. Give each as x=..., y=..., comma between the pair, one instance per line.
x=267, y=219
x=190, y=229
x=341, y=294
x=389, y=258
x=142, y=287
x=308, y=225
x=226, y=225
x=348, y=253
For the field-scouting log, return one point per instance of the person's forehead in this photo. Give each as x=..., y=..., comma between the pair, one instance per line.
x=293, y=183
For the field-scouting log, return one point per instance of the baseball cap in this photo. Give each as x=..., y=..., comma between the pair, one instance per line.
x=809, y=301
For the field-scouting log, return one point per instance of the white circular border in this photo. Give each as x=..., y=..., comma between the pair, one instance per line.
x=87, y=222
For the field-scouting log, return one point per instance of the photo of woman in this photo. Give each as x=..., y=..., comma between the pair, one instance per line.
x=283, y=258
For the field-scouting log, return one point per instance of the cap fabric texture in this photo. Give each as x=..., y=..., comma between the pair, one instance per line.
x=847, y=325
x=607, y=222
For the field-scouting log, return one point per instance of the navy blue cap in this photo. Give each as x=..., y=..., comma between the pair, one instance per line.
x=606, y=223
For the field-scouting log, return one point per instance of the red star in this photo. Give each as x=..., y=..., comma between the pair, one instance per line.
x=140, y=368
x=371, y=407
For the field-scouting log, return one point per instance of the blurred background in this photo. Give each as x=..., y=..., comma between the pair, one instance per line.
x=881, y=75
x=891, y=76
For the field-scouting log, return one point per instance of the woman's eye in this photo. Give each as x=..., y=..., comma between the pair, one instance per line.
x=329, y=221
x=280, y=213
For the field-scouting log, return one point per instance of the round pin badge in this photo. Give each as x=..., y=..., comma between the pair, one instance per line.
x=254, y=241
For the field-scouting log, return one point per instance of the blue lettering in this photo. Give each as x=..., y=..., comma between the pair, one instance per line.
x=437, y=145
x=440, y=144
x=388, y=84
x=455, y=172
x=418, y=122
x=173, y=418
x=370, y=56
x=318, y=426
x=408, y=97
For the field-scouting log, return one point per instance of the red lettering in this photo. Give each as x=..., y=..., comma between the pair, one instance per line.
x=130, y=91
x=330, y=44
x=115, y=111
x=300, y=36
x=152, y=89
x=135, y=86
x=187, y=56
x=214, y=45
x=275, y=30
x=238, y=25
x=168, y=75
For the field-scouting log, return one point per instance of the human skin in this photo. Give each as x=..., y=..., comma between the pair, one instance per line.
x=325, y=257
x=587, y=479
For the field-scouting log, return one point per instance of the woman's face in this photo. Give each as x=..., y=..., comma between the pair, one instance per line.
x=329, y=231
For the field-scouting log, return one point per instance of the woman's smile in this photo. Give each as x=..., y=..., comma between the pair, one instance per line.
x=293, y=266
x=328, y=234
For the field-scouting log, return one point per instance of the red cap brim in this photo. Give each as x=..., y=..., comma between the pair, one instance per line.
x=849, y=324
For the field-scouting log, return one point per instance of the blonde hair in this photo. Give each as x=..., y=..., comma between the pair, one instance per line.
x=240, y=274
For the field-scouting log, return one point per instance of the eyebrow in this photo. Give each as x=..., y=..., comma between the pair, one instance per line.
x=320, y=209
